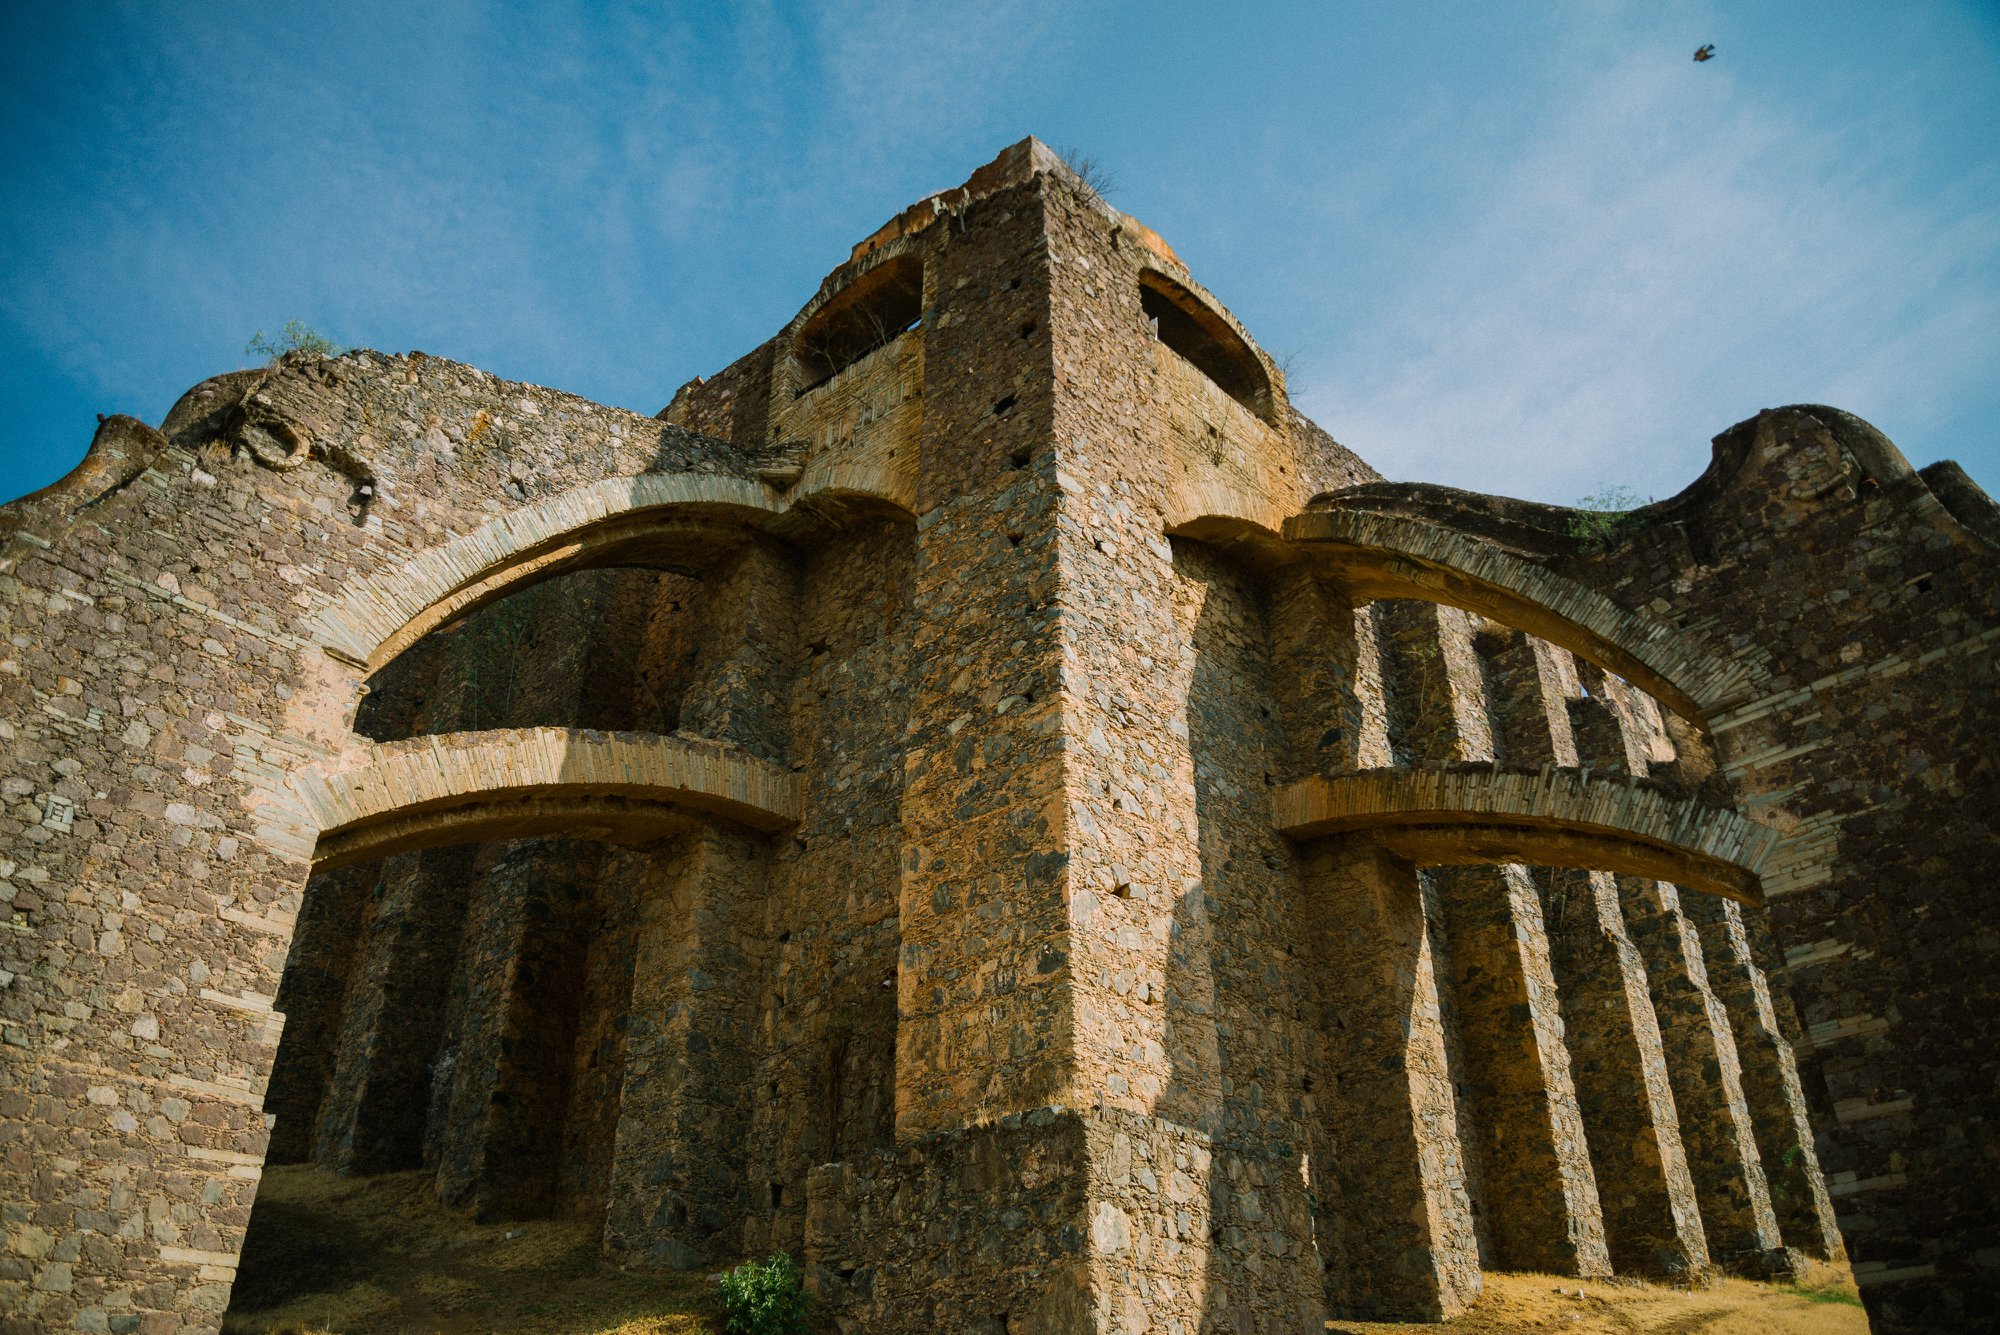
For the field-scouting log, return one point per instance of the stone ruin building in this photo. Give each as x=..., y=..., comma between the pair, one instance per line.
x=983, y=794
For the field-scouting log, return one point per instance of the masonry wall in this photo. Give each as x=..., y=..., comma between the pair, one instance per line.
x=1812, y=542
x=1026, y=1014
x=158, y=681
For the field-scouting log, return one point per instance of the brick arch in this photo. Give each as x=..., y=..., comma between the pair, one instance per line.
x=1387, y=556
x=370, y=801
x=1554, y=818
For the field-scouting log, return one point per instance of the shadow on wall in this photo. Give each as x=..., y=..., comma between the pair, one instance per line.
x=1238, y=1036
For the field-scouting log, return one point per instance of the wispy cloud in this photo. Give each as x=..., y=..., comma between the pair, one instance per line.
x=1663, y=252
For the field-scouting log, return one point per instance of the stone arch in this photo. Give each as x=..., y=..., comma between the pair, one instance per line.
x=647, y=517
x=1549, y=818
x=1386, y=556
x=371, y=801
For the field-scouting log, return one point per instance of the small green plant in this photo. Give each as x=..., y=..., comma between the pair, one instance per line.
x=296, y=336
x=1605, y=518
x=764, y=1298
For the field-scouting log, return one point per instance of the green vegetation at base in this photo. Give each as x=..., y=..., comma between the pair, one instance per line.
x=764, y=1298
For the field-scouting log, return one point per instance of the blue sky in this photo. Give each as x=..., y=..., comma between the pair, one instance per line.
x=1525, y=248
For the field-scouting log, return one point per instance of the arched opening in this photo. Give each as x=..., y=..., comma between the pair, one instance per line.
x=1187, y=326
x=610, y=649
x=874, y=310
x=1536, y=854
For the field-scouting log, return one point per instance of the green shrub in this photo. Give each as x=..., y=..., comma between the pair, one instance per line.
x=297, y=336
x=764, y=1298
x=1602, y=520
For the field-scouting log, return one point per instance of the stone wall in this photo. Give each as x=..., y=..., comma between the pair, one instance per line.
x=1019, y=995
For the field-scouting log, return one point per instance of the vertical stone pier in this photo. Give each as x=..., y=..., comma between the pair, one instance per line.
x=676, y=1190
x=1652, y=1221
x=1706, y=1074
x=378, y=1100
x=497, y=1120
x=1540, y=1192
x=1771, y=1087
x=1404, y=1247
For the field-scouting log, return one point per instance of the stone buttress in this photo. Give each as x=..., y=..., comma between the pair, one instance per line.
x=983, y=794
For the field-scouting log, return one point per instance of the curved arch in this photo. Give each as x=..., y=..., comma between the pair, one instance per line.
x=867, y=489
x=1387, y=556
x=371, y=801
x=1549, y=818
x=876, y=306
x=648, y=517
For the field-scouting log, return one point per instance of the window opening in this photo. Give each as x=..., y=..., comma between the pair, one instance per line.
x=871, y=312
x=1182, y=321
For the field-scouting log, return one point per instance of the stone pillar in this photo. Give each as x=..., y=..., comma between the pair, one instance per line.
x=1706, y=1075
x=1397, y=1230
x=499, y=1132
x=1771, y=1087
x=1330, y=706
x=747, y=656
x=379, y=1098
x=1651, y=1219
x=677, y=1194
x=597, y=1077
x=312, y=997
x=1526, y=697
x=1437, y=698
x=1539, y=1193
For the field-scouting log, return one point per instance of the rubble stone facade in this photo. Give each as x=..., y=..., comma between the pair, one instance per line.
x=983, y=794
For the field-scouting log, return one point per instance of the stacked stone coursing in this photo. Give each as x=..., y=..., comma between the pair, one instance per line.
x=996, y=801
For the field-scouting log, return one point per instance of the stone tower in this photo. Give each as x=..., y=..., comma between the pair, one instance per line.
x=984, y=794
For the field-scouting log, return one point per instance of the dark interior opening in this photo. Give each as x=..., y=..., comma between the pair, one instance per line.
x=1185, y=324
x=874, y=310
x=613, y=649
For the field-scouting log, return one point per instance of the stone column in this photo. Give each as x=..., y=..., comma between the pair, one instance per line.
x=1330, y=695
x=379, y=1097
x=676, y=1185
x=312, y=998
x=1526, y=697
x=500, y=1118
x=1706, y=1075
x=748, y=653
x=1437, y=698
x=1539, y=1191
x=1771, y=1086
x=1397, y=1230
x=1651, y=1220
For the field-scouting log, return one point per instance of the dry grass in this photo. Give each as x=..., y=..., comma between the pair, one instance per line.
x=1823, y=1303
x=329, y=1255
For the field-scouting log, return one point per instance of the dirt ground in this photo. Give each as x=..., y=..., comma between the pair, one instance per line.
x=329, y=1255
x=381, y=1256
x=1824, y=1302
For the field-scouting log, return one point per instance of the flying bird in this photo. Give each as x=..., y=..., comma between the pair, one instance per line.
x=1705, y=53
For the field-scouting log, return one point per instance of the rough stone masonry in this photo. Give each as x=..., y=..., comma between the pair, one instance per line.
x=983, y=794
